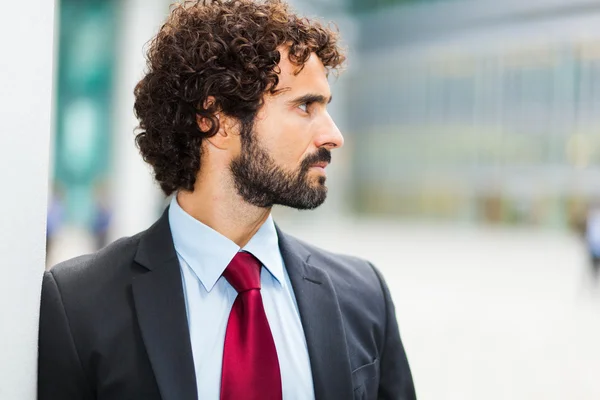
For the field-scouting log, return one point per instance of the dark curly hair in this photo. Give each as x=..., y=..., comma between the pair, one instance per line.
x=224, y=49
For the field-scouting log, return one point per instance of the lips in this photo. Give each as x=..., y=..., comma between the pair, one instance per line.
x=320, y=165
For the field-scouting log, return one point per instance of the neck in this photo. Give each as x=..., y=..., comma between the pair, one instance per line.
x=219, y=206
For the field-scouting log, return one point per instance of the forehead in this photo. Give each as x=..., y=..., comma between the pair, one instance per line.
x=311, y=79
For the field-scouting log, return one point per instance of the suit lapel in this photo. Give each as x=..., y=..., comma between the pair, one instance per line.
x=321, y=320
x=160, y=306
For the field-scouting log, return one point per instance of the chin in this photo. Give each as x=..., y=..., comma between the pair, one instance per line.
x=317, y=181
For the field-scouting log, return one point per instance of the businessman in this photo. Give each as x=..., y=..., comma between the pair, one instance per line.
x=214, y=301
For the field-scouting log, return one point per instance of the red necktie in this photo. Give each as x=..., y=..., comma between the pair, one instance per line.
x=250, y=364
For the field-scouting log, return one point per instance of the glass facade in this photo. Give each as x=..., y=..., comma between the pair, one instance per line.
x=361, y=6
x=84, y=94
x=458, y=127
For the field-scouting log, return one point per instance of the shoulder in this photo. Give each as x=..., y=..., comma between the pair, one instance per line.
x=361, y=295
x=345, y=271
x=91, y=270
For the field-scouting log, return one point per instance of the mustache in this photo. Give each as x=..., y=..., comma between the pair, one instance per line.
x=321, y=155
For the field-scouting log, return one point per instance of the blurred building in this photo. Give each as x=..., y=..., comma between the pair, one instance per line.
x=476, y=111
x=457, y=110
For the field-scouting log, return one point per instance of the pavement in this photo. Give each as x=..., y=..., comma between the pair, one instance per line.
x=484, y=313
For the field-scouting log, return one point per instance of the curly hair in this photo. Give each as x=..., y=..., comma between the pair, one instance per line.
x=227, y=50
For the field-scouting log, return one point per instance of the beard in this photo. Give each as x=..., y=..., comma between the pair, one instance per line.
x=261, y=182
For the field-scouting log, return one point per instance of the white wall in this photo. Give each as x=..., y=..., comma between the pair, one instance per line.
x=26, y=40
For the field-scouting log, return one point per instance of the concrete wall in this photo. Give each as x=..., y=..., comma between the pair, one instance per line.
x=26, y=65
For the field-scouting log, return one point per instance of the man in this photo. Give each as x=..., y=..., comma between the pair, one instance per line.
x=214, y=301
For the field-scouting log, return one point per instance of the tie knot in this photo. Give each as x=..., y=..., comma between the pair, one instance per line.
x=243, y=272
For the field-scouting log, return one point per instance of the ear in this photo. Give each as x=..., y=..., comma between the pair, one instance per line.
x=227, y=135
x=204, y=123
x=222, y=138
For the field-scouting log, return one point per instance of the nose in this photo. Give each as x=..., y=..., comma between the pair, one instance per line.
x=329, y=135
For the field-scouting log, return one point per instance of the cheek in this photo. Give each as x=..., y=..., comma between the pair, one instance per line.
x=287, y=154
x=291, y=142
x=295, y=150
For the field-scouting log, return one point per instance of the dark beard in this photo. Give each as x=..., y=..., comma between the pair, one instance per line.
x=261, y=182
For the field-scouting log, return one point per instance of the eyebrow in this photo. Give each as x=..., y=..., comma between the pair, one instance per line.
x=311, y=98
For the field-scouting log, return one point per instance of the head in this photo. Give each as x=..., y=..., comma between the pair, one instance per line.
x=240, y=88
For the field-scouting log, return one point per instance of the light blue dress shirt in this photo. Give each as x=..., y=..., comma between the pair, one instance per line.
x=203, y=256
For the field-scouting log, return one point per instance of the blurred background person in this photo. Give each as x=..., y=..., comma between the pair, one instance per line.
x=55, y=219
x=102, y=216
x=592, y=238
x=472, y=148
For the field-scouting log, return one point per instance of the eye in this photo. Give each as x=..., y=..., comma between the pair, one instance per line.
x=304, y=107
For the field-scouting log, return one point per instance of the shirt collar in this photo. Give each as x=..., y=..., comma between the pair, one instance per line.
x=264, y=245
x=208, y=253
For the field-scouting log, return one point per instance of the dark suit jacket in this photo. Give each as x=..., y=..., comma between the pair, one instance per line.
x=113, y=324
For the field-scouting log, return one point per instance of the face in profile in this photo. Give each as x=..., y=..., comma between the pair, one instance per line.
x=286, y=149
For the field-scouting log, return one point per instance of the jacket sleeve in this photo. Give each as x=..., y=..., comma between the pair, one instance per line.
x=60, y=373
x=395, y=381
